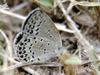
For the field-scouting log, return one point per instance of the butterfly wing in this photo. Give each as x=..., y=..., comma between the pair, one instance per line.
x=39, y=24
x=43, y=39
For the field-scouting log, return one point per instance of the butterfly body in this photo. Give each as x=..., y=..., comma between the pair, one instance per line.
x=38, y=40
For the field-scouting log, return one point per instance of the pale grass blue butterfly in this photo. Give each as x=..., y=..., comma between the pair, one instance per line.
x=38, y=40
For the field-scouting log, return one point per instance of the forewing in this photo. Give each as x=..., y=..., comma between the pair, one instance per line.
x=39, y=24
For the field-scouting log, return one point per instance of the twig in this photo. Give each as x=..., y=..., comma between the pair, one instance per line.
x=73, y=26
x=19, y=6
x=83, y=3
x=9, y=46
x=12, y=14
x=86, y=45
x=29, y=70
x=79, y=36
x=63, y=28
x=9, y=50
x=69, y=8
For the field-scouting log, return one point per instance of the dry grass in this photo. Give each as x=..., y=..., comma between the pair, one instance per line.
x=79, y=38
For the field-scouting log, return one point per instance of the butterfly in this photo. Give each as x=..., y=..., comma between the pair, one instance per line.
x=38, y=40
